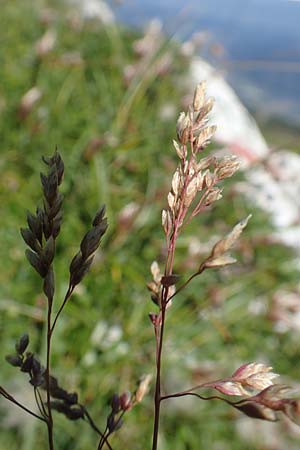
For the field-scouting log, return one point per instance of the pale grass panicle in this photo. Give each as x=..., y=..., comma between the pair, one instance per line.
x=195, y=186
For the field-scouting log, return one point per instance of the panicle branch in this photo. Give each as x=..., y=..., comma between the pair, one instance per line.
x=262, y=399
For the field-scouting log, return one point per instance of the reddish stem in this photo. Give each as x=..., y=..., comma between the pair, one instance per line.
x=157, y=397
x=159, y=328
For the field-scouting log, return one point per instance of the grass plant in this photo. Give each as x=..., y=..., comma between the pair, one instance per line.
x=114, y=131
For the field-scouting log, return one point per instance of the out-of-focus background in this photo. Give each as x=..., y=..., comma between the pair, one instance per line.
x=105, y=82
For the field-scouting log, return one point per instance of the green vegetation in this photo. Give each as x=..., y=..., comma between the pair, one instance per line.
x=116, y=140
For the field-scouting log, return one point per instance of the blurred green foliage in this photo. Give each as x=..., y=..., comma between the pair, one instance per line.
x=116, y=144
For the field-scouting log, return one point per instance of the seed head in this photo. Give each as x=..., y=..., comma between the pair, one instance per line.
x=166, y=220
x=255, y=375
x=204, y=137
x=199, y=96
x=180, y=149
x=183, y=128
x=227, y=167
x=248, y=377
x=143, y=387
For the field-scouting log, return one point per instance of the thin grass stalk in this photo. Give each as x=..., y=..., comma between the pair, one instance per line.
x=48, y=363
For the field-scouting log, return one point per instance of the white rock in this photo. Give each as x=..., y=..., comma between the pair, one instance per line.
x=95, y=9
x=236, y=128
